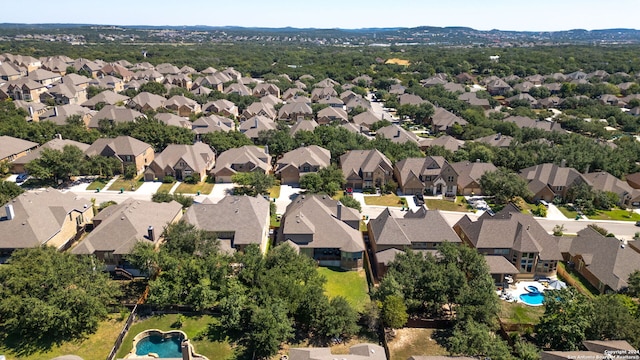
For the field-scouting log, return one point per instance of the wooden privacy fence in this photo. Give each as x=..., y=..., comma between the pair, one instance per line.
x=123, y=333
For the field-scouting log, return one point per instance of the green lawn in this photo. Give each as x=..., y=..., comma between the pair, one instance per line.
x=203, y=187
x=94, y=346
x=165, y=187
x=350, y=284
x=571, y=214
x=192, y=326
x=617, y=214
x=383, y=200
x=127, y=185
x=435, y=204
x=516, y=313
x=99, y=183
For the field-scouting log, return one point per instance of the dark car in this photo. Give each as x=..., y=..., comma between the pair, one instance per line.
x=22, y=177
x=419, y=199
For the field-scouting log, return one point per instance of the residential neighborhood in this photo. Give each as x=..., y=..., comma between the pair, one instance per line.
x=295, y=213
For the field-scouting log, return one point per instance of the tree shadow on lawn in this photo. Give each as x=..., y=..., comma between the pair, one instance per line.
x=23, y=345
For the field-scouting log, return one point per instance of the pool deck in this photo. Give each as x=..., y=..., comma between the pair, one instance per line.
x=514, y=291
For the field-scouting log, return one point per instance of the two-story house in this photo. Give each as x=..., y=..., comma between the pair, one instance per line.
x=128, y=150
x=181, y=161
x=366, y=168
x=547, y=181
x=298, y=162
x=431, y=175
x=243, y=159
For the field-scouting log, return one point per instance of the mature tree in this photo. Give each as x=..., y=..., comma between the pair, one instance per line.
x=164, y=196
x=48, y=296
x=104, y=166
x=57, y=165
x=269, y=326
x=504, y=185
x=634, y=283
x=153, y=87
x=144, y=258
x=350, y=201
x=475, y=339
x=254, y=182
x=394, y=312
x=339, y=320
x=8, y=191
x=371, y=315
x=525, y=350
x=612, y=318
x=221, y=141
x=566, y=318
x=326, y=181
x=182, y=238
x=279, y=141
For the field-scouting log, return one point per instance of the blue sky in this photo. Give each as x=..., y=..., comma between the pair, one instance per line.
x=534, y=15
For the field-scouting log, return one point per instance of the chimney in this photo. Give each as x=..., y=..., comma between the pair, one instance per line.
x=31, y=111
x=255, y=122
x=563, y=163
x=266, y=149
x=58, y=136
x=11, y=214
x=55, y=111
x=498, y=136
x=151, y=233
x=339, y=213
x=477, y=160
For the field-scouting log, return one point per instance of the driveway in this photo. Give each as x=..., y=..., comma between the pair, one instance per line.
x=220, y=190
x=287, y=194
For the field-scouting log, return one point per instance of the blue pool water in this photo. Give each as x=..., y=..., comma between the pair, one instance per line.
x=164, y=347
x=532, y=298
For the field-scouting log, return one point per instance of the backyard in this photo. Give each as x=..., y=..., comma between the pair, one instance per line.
x=195, y=327
x=350, y=284
x=517, y=313
x=94, y=346
x=577, y=280
x=414, y=342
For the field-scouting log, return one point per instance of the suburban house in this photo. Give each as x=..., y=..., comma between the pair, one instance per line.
x=366, y=118
x=442, y=120
x=604, y=181
x=17, y=166
x=251, y=128
x=472, y=99
x=302, y=125
x=366, y=168
x=398, y=135
x=65, y=93
x=128, y=150
x=633, y=180
x=304, y=160
x=294, y=111
x=266, y=89
x=604, y=261
x=325, y=230
x=331, y=114
x=418, y=230
x=22, y=89
x=9, y=72
x=13, y=148
x=547, y=181
x=173, y=120
x=356, y=352
x=515, y=236
x=237, y=221
x=48, y=217
x=259, y=108
x=182, y=105
x=118, y=228
x=44, y=77
x=497, y=140
x=222, y=106
x=180, y=161
x=106, y=97
x=114, y=115
x=211, y=123
x=146, y=101
x=448, y=142
x=60, y=114
x=469, y=174
x=431, y=175
x=526, y=122
x=243, y=159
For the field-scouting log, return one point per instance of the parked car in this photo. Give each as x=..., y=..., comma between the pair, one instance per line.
x=22, y=177
x=419, y=199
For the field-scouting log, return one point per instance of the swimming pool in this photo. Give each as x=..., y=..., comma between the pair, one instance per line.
x=164, y=347
x=533, y=298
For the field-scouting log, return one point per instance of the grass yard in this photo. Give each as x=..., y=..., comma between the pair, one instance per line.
x=414, y=341
x=435, y=204
x=127, y=185
x=165, y=187
x=193, y=326
x=616, y=214
x=338, y=195
x=203, y=187
x=99, y=183
x=383, y=200
x=350, y=284
x=95, y=346
x=274, y=192
x=516, y=313
x=571, y=214
x=524, y=205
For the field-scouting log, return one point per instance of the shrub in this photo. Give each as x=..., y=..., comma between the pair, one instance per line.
x=192, y=179
x=540, y=211
x=130, y=171
x=168, y=179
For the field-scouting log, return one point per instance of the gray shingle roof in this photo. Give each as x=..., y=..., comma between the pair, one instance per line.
x=415, y=227
x=11, y=146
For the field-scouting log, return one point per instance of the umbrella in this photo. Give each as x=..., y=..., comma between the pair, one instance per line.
x=557, y=284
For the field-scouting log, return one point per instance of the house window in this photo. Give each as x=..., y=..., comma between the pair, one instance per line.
x=559, y=188
x=427, y=178
x=501, y=251
x=305, y=169
x=79, y=220
x=449, y=178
